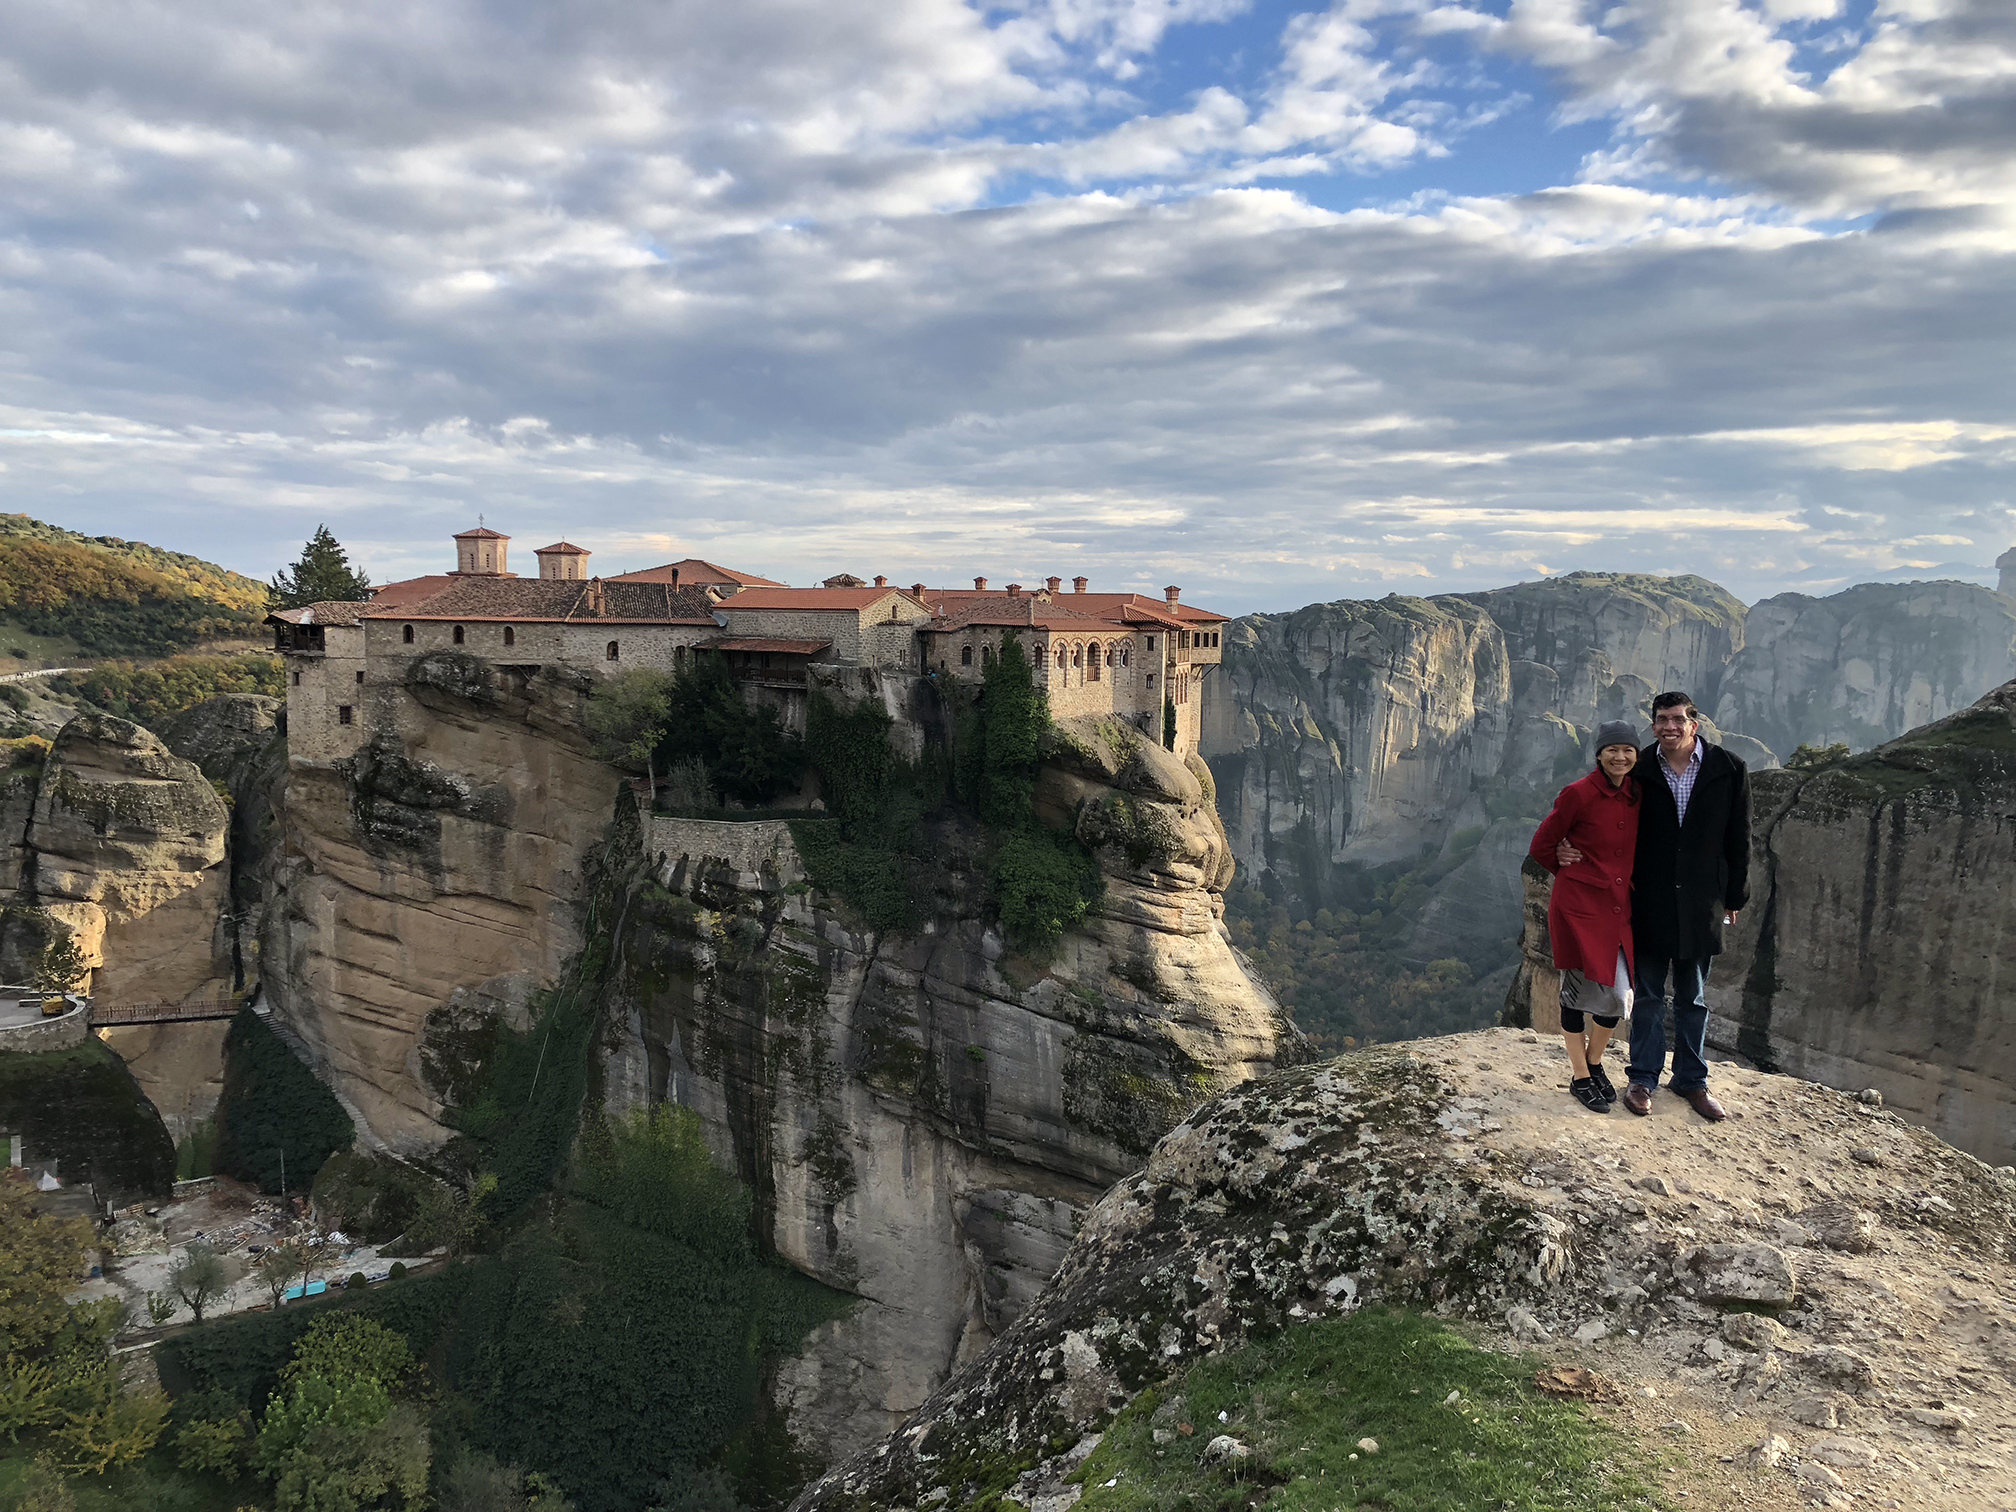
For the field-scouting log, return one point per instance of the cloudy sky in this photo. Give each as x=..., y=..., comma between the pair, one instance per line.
x=1276, y=302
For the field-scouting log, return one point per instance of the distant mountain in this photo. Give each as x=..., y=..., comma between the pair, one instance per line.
x=103, y=596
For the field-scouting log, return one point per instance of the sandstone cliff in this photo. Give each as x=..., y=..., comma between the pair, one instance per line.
x=1867, y=664
x=1456, y=1175
x=1877, y=949
x=437, y=869
x=924, y=1116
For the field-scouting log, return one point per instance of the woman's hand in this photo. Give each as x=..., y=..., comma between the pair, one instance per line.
x=1566, y=854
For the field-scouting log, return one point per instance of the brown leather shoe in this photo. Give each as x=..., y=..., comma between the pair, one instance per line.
x=1706, y=1106
x=1638, y=1099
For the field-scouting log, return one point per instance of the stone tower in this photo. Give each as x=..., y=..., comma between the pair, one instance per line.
x=480, y=553
x=563, y=560
x=2007, y=562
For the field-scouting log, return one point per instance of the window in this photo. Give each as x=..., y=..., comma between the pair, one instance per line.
x=986, y=655
x=1063, y=658
x=965, y=656
x=611, y=653
x=360, y=675
x=1092, y=665
x=343, y=714
x=458, y=635
x=1184, y=643
x=1123, y=656
x=1150, y=679
x=1077, y=656
x=1151, y=643
x=408, y=635
x=510, y=636
x=297, y=679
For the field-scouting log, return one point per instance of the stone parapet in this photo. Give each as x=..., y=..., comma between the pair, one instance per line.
x=66, y=1031
x=760, y=852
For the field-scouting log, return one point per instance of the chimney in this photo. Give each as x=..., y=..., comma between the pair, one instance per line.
x=979, y=585
x=1172, y=593
x=917, y=590
x=1054, y=583
x=1078, y=584
x=1014, y=590
x=881, y=581
x=597, y=604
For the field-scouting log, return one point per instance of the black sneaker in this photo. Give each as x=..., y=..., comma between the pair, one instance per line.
x=1596, y=1074
x=1585, y=1091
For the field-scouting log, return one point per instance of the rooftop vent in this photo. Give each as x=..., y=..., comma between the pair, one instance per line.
x=979, y=585
x=1078, y=584
x=1172, y=593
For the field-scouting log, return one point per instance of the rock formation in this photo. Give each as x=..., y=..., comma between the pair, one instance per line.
x=444, y=860
x=1877, y=949
x=1722, y=1271
x=1867, y=664
x=924, y=1116
x=125, y=845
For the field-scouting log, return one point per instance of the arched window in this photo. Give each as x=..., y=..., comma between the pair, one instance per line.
x=1123, y=656
x=1063, y=658
x=1092, y=663
x=986, y=655
x=610, y=654
x=1077, y=656
x=510, y=636
x=408, y=635
x=965, y=656
x=458, y=635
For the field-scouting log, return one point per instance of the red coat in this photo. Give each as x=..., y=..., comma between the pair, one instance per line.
x=1589, y=916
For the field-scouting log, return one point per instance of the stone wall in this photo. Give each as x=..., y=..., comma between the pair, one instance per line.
x=66, y=1031
x=756, y=853
x=319, y=687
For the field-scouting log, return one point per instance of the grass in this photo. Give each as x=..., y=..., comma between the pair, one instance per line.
x=1303, y=1399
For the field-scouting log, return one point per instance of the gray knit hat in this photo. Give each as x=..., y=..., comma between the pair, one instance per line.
x=1616, y=732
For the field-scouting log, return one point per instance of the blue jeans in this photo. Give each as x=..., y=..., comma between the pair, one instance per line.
x=1690, y=1023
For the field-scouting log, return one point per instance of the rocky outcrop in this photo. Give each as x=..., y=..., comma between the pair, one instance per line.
x=1865, y=665
x=1599, y=643
x=1727, y=1273
x=125, y=845
x=925, y=1115
x=446, y=856
x=1877, y=949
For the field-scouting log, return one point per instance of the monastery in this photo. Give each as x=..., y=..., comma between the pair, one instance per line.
x=1123, y=654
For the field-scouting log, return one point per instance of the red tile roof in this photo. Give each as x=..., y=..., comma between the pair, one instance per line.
x=478, y=598
x=842, y=600
x=563, y=548
x=1012, y=609
x=1117, y=608
x=695, y=573
x=481, y=533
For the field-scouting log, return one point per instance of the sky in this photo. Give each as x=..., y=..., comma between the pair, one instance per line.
x=1276, y=302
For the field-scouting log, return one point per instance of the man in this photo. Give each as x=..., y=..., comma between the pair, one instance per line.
x=1691, y=875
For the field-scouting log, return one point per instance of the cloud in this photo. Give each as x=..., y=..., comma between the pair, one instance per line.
x=930, y=290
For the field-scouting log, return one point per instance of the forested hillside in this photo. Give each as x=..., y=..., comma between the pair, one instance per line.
x=103, y=596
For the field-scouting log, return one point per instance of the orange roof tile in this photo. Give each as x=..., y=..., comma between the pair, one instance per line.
x=750, y=600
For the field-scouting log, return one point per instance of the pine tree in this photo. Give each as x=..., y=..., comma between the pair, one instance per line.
x=322, y=575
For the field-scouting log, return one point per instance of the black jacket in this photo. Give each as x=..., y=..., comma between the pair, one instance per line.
x=1686, y=876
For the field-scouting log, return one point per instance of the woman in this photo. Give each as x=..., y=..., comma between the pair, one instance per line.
x=1589, y=916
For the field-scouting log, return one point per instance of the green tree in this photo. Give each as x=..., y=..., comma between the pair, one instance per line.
x=341, y=1446
x=626, y=715
x=322, y=575
x=747, y=751
x=61, y=964
x=1015, y=714
x=349, y=1348
x=279, y=1267
x=198, y=1278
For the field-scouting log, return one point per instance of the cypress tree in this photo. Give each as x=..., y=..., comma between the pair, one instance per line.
x=322, y=575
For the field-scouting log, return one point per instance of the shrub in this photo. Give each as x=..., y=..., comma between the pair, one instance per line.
x=152, y=695
x=653, y=1170
x=398, y=1271
x=747, y=752
x=272, y=1108
x=346, y=1347
x=1043, y=884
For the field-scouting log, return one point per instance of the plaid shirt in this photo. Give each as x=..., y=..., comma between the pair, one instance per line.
x=1682, y=783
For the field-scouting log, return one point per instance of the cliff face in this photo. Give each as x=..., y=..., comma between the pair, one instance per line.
x=1350, y=732
x=438, y=867
x=1878, y=947
x=1865, y=665
x=925, y=1116
x=124, y=842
